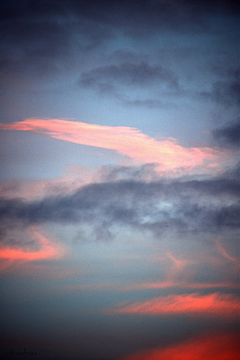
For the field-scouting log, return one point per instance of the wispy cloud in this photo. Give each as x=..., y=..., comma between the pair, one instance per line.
x=127, y=141
x=224, y=253
x=129, y=74
x=191, y=304
x=49, y=249
x=178, y=284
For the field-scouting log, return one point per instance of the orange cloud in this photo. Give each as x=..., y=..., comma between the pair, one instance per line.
x=125, y=140
x=213, y=304
x=215, y=347
x=48, y=250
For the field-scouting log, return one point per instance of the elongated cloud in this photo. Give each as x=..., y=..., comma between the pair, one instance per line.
x=147, y=285
x=180, y=285
x=48, y=249
x=213, y=304
x=125, y=140
x=210, y=346
x=224, y=253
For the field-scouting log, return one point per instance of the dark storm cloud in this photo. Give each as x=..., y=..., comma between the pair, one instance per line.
x=127, y=73
x=228, y=135
x=158, y=206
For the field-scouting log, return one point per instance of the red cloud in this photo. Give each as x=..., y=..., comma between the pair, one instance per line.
x=212, y=347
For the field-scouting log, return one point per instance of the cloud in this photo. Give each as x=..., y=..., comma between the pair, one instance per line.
x=72, y=179
x=181, y=285
x=228, y=135
x=188, y=304
x=123, y=14
x=213, y=346
x=159, y=207
x=116, y=80
x=127, y=141
x=225, y=92
x=48, y=249
x=45, y=39
x=128, y=73
x=224, y=253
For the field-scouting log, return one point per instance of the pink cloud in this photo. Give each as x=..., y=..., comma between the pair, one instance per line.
x=49, y=249
x=127, y=141
x=195, y=304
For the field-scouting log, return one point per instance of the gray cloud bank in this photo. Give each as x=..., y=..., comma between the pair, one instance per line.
x=194, y=206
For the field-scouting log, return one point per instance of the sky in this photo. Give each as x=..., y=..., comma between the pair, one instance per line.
x=120, y=179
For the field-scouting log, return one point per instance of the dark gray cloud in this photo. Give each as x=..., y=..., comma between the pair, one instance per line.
x=228, y=135
x=150, y=14
x=115, y=79
x=34, y=31
x=44, y=45
x=225, y=92
x=127, y=73
x=158, y=206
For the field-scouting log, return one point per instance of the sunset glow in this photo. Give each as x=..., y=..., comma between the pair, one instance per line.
x=120, y=180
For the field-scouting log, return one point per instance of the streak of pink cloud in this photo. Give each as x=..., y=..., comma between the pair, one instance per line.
x=127, y=141
x=48, y=250
x=194, y=304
